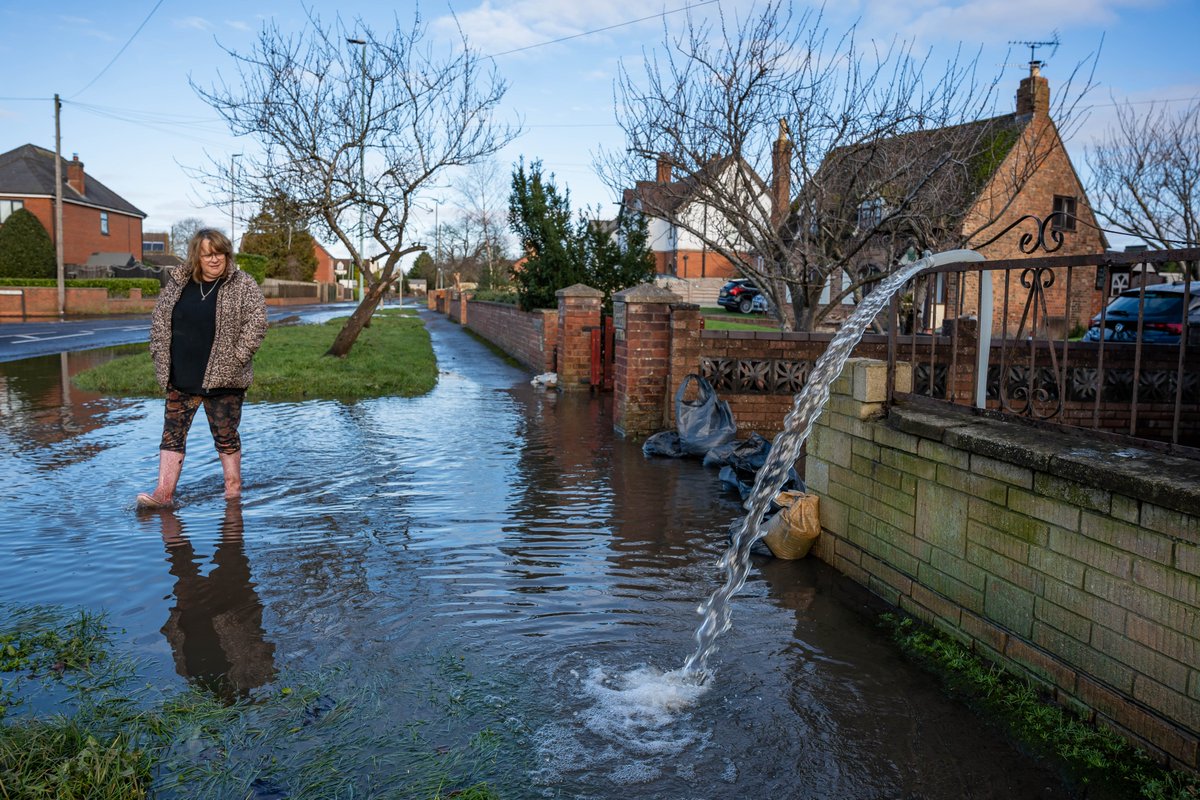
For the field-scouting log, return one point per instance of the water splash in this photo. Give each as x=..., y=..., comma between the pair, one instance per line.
x=785, y=450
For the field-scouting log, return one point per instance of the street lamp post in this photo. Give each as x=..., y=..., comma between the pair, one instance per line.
x=362, y=169
x=233, y=201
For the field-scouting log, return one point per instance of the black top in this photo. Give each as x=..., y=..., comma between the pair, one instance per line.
x=193, y=327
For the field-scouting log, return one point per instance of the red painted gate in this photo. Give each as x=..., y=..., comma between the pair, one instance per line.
x=603, y=355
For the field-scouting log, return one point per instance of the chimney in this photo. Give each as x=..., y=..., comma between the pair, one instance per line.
x=781, y=176
x=663, y=172
x=75, y=177
x=1033, y=96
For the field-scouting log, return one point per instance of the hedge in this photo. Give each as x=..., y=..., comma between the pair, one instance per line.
x=117, y=287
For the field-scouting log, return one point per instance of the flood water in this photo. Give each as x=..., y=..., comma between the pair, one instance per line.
x=487, y=558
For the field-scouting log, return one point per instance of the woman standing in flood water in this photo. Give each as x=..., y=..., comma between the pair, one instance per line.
x=207, y=325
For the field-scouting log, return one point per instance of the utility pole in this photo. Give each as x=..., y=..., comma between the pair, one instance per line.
x=233, y=201
x=362, y=168
x=58, y=209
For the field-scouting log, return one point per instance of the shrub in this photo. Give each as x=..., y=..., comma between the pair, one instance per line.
x=254, y=264
x=25, y=248
x=117, y=287
x=496, y=296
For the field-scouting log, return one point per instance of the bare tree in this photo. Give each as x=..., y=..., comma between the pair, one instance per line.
x=484, y=192
x=806, y=157
x=182, y=232
x=353, y=122
x=1145, y=176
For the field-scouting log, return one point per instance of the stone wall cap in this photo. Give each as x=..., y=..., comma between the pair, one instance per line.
x=647, y=293
x=579, y=290
x=1169, y=481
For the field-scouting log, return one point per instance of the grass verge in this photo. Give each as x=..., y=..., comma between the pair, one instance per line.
x=1095, y=757
x=393, y=357
x=308, y=735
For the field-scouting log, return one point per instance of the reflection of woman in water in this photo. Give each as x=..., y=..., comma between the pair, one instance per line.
x=215, y=628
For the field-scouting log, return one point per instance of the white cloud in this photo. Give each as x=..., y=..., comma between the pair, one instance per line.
x=498, y=27
x=238, y=25
x=195, y=23
x=74, y=20
x=989, y=21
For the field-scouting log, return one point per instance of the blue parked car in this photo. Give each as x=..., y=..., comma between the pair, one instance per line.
x=1162, y=315
x=741, y=295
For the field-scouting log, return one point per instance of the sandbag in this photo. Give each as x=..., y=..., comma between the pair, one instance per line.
x=703, y=423
x=791, y=533
x=665, y=443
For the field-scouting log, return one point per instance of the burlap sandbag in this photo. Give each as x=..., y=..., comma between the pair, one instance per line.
x=792, y=531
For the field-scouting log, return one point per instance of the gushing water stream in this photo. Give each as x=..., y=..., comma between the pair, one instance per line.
x=785, y=450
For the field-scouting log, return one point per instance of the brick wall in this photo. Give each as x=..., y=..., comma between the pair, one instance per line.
x=1071, y=560
x=42, y=301
x=530, y=337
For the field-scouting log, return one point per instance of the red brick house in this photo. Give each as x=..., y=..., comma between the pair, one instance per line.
x=95, y=218
x=672, y=206
x=962, y=186
x=324, y=272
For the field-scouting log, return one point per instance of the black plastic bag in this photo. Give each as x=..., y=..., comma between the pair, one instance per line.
x=703, y=423
x=663, y=444
x=743, y=481
x=747, y=456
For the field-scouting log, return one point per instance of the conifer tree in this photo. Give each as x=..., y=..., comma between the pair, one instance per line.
x=25, y=248
x=541, y=219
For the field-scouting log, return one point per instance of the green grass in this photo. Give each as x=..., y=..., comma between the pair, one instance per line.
x=1093, y=756
x=307, y=735
x=393, y=357
x=734, y=324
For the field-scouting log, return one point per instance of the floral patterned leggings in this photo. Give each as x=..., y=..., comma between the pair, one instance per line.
x=224, y=412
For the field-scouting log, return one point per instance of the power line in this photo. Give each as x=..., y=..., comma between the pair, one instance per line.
x=16, y=99
x=119, y=52
x=601, y=30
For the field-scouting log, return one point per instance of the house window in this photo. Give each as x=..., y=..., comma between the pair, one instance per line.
x=9, y=206
x=104, y=223
x=154, y=247
x=870, y=213
x=1064, y=213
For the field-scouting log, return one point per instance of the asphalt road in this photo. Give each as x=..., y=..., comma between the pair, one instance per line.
x=47, y=337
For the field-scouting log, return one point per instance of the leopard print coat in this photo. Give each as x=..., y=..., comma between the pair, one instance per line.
x=241, y=326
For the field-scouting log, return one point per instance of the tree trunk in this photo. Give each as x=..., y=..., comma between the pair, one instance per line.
x=348, y=335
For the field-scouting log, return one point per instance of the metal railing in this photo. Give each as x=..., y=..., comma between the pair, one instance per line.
x=1004, y=337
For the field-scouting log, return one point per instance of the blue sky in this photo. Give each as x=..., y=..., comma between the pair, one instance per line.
x=137, y=124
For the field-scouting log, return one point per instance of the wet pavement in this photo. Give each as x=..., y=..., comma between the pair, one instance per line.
x=492, y=537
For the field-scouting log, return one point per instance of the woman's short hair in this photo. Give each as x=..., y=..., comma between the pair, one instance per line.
x=217, y=242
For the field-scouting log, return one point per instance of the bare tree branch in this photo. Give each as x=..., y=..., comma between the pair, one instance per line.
x=344, y=129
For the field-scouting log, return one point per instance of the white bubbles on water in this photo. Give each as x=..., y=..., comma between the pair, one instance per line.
x=631, y=726
x=641, y=708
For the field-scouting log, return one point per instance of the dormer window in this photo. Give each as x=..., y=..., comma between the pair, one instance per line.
x=870, y=213
x=1064, y=213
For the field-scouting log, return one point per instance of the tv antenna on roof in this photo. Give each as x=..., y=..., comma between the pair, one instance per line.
x=1033, y=46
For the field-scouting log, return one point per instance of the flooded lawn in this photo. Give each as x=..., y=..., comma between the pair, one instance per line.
x=483, y=564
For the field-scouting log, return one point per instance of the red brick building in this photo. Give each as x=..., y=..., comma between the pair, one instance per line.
x=95, y=218
x=962, y=186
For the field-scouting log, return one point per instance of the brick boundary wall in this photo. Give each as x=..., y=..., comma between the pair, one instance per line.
x=528, y=336
x=42, y=301
x=1074, y=561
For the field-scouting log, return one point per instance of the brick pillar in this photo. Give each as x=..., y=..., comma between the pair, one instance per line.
x=642, y=317
x=578, y=313
x=686, y=325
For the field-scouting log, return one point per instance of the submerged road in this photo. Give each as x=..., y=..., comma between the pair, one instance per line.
x=27, y=339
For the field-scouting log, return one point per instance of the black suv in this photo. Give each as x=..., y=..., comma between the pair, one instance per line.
x=741, y=295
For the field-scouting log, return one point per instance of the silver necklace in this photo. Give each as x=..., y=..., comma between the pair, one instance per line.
x=203, y=294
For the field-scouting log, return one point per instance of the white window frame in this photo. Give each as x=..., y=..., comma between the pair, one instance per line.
x=104, y=223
